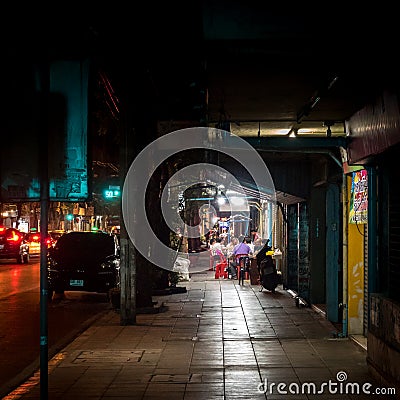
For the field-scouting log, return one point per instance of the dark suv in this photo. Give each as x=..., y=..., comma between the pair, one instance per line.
x=83, y=261
x=12, y=245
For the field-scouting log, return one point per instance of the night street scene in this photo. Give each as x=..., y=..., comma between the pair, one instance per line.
x=200, y=201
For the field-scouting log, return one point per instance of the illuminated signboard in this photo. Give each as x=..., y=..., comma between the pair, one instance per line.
x=359, y=198
x=67, y=128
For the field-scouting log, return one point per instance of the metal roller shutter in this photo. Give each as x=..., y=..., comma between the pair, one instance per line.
x=394, y=236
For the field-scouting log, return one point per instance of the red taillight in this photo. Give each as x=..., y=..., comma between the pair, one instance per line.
x=2, y=229
x=14, y=237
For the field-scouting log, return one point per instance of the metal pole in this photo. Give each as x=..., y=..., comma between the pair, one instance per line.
x=44, y=204
x=345, y=213
x=127, y=251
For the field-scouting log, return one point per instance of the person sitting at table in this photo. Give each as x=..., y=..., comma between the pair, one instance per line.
x=216, y=249
x=241, y=253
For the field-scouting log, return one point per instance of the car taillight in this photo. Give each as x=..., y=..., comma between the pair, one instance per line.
x=14, y=237
x=2, y=229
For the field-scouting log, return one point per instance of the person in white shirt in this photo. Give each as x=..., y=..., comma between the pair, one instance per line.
x=216, y=251
x=230, y=246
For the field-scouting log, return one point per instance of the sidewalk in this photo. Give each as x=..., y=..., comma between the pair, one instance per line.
x=219, y=340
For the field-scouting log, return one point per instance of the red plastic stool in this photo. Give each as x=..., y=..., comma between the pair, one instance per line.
x=220, y=270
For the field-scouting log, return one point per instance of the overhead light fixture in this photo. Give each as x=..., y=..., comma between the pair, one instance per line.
x=237, y=201
x=221, y=200
x=305, y=131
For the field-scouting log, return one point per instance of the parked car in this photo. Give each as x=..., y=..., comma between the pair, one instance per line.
x=12, y=245
x=83, y=261
x=32, y=239
x=55, y=235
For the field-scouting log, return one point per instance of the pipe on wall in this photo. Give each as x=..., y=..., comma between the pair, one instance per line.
x=345, y=214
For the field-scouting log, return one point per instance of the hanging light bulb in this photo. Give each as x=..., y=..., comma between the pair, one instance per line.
x=221, y=200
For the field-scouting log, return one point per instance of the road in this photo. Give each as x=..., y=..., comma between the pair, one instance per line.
x=20, y=320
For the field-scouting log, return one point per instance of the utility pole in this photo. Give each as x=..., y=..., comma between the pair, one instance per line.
x=127, y=250
x=42, y=131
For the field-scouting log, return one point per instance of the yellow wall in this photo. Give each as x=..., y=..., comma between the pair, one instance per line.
x=355, y=265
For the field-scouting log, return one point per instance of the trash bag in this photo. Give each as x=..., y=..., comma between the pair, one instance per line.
x=181, y=266
x=267, y=266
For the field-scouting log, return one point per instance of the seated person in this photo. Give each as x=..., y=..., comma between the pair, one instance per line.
x=242, y=248
x=242, y=251
x=216, y=251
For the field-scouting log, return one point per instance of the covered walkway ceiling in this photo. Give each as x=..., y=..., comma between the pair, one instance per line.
x=289, y=70
x=265, y=69
x=262, y=70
